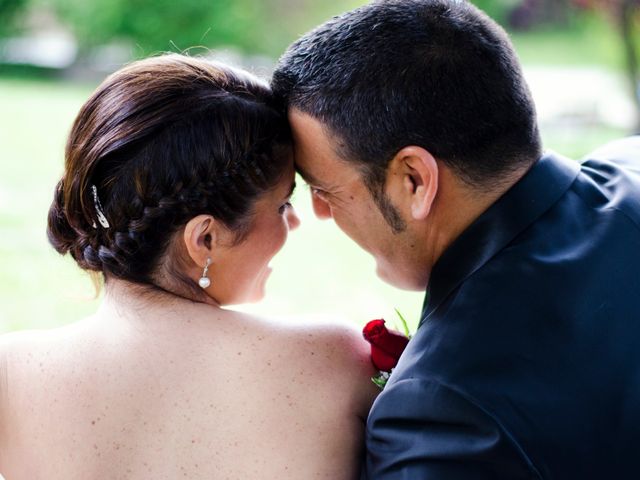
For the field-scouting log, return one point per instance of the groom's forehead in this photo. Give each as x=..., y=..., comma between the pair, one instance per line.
x=304, y=173
x=311, y=133
x=309, y=177
x=316, y=150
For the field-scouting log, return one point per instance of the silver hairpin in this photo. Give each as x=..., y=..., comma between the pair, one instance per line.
x=100, y=214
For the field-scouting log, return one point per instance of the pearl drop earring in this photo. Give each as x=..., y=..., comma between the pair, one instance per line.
x=204, y=281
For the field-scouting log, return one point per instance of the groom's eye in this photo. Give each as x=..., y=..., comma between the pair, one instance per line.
x=321, y=194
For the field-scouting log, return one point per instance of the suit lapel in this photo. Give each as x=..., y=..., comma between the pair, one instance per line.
x=534, y=194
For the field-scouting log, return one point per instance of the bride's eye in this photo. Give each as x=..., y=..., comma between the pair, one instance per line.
x=284, y=207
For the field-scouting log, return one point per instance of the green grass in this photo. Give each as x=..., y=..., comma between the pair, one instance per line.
x=37, y=287
x=319, y=271
x=590, y=40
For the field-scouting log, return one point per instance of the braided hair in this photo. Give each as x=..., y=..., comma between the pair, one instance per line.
x=163, y=140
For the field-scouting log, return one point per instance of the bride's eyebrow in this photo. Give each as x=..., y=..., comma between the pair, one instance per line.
x=293, y=187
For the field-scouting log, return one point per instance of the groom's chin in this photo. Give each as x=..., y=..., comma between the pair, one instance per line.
x=399, y=279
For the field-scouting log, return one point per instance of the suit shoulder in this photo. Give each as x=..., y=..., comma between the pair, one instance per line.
x=611, y=180
x=624, y=152
x=452, y=426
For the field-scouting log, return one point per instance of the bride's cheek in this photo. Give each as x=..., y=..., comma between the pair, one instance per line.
x=281, y=237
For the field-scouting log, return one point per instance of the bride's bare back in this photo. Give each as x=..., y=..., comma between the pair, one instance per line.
x=178, y=176
x=182, y=390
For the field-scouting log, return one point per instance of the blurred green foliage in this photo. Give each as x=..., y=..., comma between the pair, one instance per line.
x=159, y=25
x=9, y=11
x=319, y=270
x=254, y=26
x=591, y=41
x=499, y=10
x=154, y=24
x=338, y=278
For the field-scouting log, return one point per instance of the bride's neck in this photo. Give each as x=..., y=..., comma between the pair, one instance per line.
x=128, y=299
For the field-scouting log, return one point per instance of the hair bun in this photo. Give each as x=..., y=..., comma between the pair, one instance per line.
x=163, y=140
x=67, y=239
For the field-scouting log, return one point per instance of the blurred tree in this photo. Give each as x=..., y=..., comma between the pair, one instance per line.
x=626, y=16
x=10, y=11
x=159, y=25
x=499, y=10
x=530, y=13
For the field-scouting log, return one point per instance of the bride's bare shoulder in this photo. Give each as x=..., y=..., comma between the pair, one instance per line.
x=3, y=395
x=18, y=344
x=28, y=354
x=30, y=342
x=332, y=354
x=14, y=352
x=320, y=341
x=337, y=345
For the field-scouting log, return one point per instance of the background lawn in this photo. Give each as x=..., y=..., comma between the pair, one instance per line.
x=319, y=270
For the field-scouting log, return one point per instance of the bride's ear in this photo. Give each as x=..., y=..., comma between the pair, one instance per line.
x=200, y=235
x=416, y=171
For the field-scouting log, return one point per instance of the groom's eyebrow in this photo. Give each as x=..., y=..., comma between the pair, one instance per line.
x=310, y=179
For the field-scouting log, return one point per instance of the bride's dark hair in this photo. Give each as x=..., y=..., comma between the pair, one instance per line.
x=163, y=140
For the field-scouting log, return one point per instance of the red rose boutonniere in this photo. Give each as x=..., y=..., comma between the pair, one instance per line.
x=386, y=347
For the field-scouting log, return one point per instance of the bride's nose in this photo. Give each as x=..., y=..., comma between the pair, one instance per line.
x=292, y=218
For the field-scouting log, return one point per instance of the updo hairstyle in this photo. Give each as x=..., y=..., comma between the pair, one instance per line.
x=163, y=140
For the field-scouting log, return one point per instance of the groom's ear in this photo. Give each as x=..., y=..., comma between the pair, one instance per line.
x=415, y=172
x=200, y=235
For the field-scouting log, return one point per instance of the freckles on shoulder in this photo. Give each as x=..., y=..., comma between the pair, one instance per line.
x=342, y=357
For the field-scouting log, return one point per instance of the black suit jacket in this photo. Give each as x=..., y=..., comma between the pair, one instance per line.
x=526, y=363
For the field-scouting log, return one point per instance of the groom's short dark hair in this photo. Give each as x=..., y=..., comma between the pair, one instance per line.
x=434, y=73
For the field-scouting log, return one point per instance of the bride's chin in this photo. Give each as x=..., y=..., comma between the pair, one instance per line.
x=259, y=287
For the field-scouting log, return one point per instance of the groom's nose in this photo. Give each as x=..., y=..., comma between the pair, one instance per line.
x=320, y=207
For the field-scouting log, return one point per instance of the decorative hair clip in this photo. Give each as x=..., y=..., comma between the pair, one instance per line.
x=100, y=214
